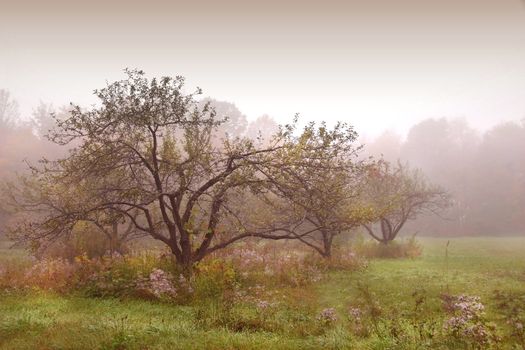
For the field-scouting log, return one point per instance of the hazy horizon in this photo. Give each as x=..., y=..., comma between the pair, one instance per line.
x=375, y=64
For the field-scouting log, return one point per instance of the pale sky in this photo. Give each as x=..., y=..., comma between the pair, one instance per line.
x=377, y=64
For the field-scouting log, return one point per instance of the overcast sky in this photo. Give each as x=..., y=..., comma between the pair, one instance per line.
x=374, y=63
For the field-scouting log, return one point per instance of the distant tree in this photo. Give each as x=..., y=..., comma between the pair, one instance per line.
x=400, y=194
x=147, y=151
x=42, y=120
x=262, y=129
x=16, y=139
x=386, y=146
x=234, y=122
x=9, y=112
x=8, y=115
x=497, y=200
x=442, y=148
x=446, y=150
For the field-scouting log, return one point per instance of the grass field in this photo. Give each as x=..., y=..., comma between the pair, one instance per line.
x=406, y=288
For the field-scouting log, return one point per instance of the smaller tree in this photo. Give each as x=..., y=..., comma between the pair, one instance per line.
x=400, y=194
x=322, y=193
x=47, y=210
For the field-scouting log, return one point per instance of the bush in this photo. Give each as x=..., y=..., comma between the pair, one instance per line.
x=82, y=241
x=85, y=239
x=467, y=321
x=12, y=274
x=214, y=278
x=278, y=265
x=344, y=258
x=152, y=275
x=50, y=274
x=409, y=248
x=145, y=275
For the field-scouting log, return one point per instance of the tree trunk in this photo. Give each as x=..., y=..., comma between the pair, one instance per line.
x=327, y=244
x=184, y=262
x=187, y=271
x=114, y=241
x=386, y=231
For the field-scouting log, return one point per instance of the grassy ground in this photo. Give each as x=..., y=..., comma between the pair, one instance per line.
x=476, y=266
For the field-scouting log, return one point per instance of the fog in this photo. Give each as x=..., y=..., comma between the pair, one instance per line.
x=376, y=64
x=484, y=172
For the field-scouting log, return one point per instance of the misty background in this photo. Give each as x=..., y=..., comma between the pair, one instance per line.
x=437, y=84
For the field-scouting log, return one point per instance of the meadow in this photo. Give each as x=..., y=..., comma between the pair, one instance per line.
x=402, y=303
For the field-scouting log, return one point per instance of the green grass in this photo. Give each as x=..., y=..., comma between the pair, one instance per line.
x=476, y=266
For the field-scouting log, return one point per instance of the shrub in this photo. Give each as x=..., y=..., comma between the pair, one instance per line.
x=12, y=274
x=344, y=258
x=214, y=278
x=84, y=240
x=467, y=321
x=50, y=274
x=145, y=275
x=409, y=248
x=158, y=284
x=229, y=277
x=264, y=263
